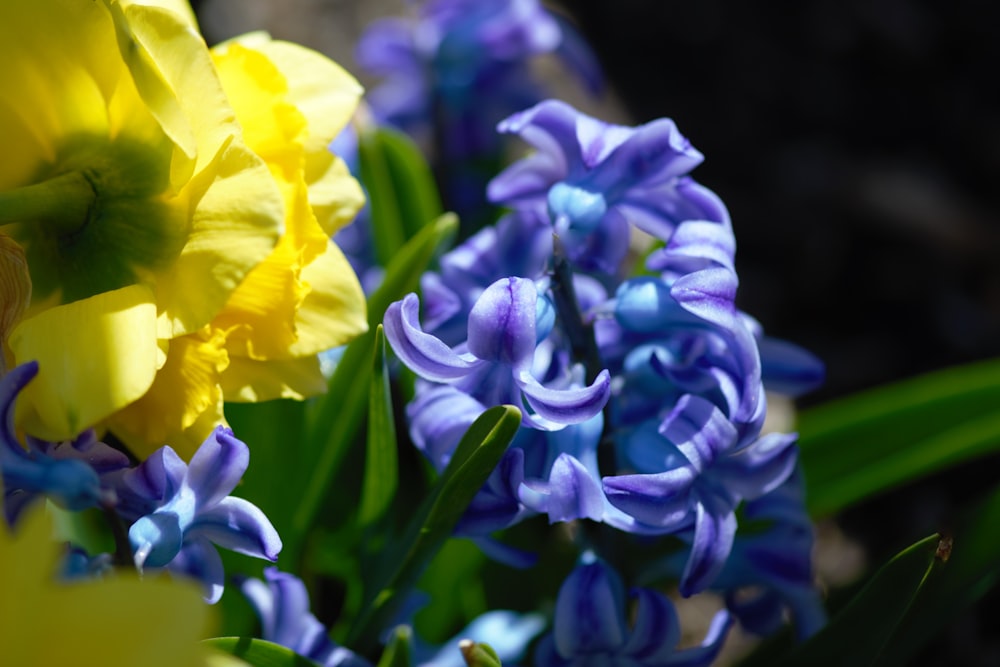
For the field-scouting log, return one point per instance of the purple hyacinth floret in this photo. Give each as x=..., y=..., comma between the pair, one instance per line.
x=596, y=178
x=73, y=473
x=677, y=335
x=591, y=630
x=494, y=366
x=771, y=571
x=282, y=604
x=464, y=64
x=520, y=244
x=692, y=473
x=181, y=510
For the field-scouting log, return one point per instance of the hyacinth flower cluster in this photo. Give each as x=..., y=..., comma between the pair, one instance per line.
x=662, y=370
x=176, y=513
x=455, y=69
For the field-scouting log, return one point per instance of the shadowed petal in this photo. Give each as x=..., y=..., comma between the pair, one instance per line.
x=708, y=651
x=656, y=631
x=714, y=530
x=571, y=493
x=200, y=560
x=590, y=612
x=760, y=467
x=787, y=368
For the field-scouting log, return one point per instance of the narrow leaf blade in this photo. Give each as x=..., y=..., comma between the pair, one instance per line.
x=381, y=465
x=259, y=653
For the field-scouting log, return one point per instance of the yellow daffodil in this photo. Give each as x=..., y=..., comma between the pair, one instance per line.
x=304, y=297
x=115, y=621
x=128, y=184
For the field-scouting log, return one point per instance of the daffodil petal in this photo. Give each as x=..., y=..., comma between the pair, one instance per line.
x=61, y=88
x=175, y=76
x=95, y=356
x=235, y=225
x=248, y=380
x=116, y=622
x=185, y=390
x=262, y=312
x=323, y=91
x=335, y=196
x=334, y=310
x=181, y=7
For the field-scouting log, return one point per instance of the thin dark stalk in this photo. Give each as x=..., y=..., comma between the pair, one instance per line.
x=580, y=333
x=123, y=550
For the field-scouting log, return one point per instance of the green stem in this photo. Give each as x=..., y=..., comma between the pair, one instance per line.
x=61, y=202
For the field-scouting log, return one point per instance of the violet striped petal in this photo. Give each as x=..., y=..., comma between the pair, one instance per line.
x=699, y=430
x=528, y=179
x=696, y=245
x=217, y=467
x=502, y=323
x=662, y=501
x=710, y=294
x=549, y=126
x=761, y=467
x=238, y=525
x=424, y=354
x=559, y=407
x=653, y=153
x=714, y=531
x=572, y=492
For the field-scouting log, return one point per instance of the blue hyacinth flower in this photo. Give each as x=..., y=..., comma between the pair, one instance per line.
x=692, y=474
x=72, y=473
x=494, y=366
x=185, y=509
x=282, y=604
x=591, y=630
x=596, y=179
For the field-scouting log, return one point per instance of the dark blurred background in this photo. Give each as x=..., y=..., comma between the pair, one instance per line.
x=857, y=145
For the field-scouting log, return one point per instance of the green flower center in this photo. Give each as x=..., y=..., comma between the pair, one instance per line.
x=97, y=219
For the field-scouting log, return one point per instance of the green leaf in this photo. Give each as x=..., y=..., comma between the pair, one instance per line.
x=399, y=651
x=402, y=194
x=863, y=629
x=477, y=654
x=339, y=413
x=388, y=234
x=416, y=188
x=381, y=467
x=869, y=442
x=972, y=571
x=478, y=453
x=259, y=653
